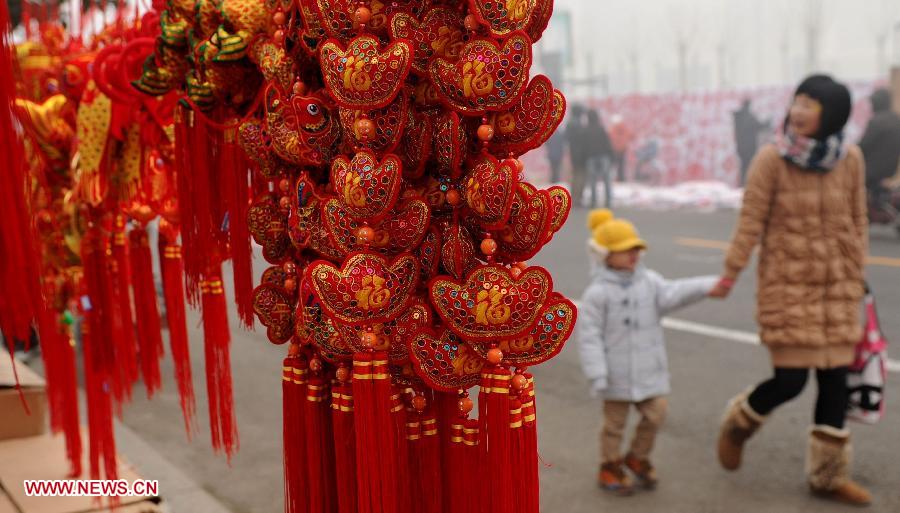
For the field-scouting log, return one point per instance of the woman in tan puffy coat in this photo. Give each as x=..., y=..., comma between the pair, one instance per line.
x=805, y=205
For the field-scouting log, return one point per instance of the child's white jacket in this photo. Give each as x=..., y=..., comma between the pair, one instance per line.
x=620, y=338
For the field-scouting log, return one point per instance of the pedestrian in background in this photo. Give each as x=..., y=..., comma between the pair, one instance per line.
x=805, y=203
x=746, y=137
x=620, y=137
x=880, y=145
x=576, y=137
x=599, y=158
x=621, y=344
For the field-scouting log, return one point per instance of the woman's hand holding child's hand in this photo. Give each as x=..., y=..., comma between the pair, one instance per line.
x=722, y=289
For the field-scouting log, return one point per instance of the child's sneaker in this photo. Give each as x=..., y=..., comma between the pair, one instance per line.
x=643, y=470
x=612, y=478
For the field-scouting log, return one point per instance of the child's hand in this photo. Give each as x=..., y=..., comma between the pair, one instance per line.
x=722, y=289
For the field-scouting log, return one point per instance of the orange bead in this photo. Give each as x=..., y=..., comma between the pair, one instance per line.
x=285, y=202
x=290, y=284
x=419, y=403
x=494, y=356
x=471, y=23
x=278, y=36
x=366, y=234
x=465, y=405
x=315, y=365
x=289, y=268
x=284, y=184
x=342, y=374
x=488, y=246
x=294, y=350
x=521, y=265
x=365, y=128
x=279, y=18
x=368, y=339
x=362, y=15
x=298, y=87
x=453, y=197
x=485, y=133
x=515, y=272
x=519, y=382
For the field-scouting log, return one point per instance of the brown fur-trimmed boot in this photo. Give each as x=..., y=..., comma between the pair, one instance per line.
x=828, y=467
x=738, y=425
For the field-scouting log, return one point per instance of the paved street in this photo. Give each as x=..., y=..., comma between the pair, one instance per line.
x=706, y=371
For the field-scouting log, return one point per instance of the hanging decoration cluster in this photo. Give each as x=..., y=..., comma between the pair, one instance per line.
x=371, y=149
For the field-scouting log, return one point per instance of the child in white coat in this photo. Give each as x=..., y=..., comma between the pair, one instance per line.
x=622, y=347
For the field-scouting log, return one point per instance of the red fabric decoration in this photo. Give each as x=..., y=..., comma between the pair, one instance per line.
x=235, y=167
x=319, y=447
x=344, y=446
x=217, y=339
x=172, y=270
x=126, y=346
x=149, y=330
x=296, y=476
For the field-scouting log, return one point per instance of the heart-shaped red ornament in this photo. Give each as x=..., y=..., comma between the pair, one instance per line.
x=402, y=231
x=490, y=304
x=415, y=149
x=528, y=227
x=525, y=126
x=502, y=18
x=314, y=327
x=366, y=289
x=440, y=34
x=362, y=75
x=560, y=205
x=393, y=336
x=449, y=143
x=489, y=189
x=274, y=306
x=268, y=226
x=545, y=339
x=457, y=251
x=540, y=18
x=485, y=77
x=429, y=254
x=366, y=187
x=444, y=362
x=389, y=122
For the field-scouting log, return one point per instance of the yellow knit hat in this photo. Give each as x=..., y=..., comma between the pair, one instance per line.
x=597, y=217
x=617, y=235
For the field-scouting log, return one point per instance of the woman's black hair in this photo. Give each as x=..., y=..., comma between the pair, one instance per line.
x=835, y=100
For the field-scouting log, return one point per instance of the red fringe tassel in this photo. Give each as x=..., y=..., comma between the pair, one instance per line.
x=126, y=347
x=235, y=169
x=217, y=341
x=319, y=449
x=149, y=332
x=344, y=446
x=293, y=387
x=495, y=440
x=172, y=271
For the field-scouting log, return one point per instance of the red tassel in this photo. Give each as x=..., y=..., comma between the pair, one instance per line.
x=456, y=471
x=126, y=344
x=474, y=487
x=19, y=257
x=171, y=268
x=495, y=440
x=62, y=385
x=369, y=493
x=293, y=386
x=415, y=457
x=98, y=357
x=319, y=449
x=344, y=446
x=518, y=450
x=430, y=466
x=529, y=431
x=234, y=171
x=404, y=455
x=149, y=332
x=217, y=341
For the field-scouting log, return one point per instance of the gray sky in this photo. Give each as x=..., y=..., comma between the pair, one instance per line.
x=724, y=43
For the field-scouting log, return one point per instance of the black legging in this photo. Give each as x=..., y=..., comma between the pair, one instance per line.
x=831, y=403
